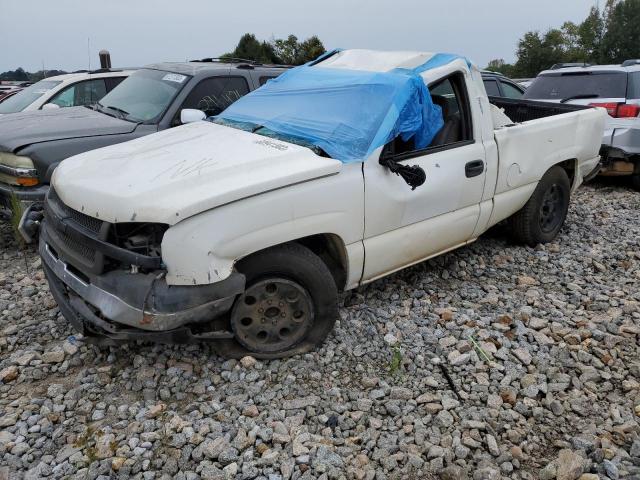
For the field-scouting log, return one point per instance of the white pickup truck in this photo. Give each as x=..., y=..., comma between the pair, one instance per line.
x=244, y=236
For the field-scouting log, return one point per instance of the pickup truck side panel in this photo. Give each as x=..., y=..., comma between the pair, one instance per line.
x=527, y=150
x=330, y=205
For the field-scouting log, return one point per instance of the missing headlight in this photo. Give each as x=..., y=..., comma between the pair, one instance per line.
x=142, y=238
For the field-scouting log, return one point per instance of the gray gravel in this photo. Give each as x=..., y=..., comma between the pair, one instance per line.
x=542, y=347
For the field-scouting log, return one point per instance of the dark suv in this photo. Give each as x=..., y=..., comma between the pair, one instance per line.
x=153, y=98
x=497, y=85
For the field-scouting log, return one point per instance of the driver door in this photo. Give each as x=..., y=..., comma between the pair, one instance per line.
x=403, y=227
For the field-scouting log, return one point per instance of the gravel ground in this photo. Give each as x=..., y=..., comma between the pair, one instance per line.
x=541, y=346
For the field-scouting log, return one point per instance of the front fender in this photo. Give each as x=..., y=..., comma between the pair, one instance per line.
x=204, y=248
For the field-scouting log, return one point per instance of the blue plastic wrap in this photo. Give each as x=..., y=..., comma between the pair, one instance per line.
x=439, y=60
x=346, y=113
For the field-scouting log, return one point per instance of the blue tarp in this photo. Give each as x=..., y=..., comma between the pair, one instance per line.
x=346, y=113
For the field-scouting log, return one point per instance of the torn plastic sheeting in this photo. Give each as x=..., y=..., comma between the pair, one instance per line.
x=440, y=60
x=347, y=113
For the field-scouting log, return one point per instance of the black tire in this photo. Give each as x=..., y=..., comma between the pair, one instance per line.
x=542, y=217
x=294, y=267
x=635, y=181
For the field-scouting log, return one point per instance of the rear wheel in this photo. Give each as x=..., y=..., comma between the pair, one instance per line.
x=289, y=305
x=635, y=181
x=542, y=217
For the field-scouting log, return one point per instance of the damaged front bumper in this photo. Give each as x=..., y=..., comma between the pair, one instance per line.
x=24, y=196
x=122, y=306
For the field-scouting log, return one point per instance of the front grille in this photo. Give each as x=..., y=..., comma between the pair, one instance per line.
x=69, y=243
x=92, y=224
x=94, y=246
x=72, y=250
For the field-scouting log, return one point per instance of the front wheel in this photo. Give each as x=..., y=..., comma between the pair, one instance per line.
x=542, y=217
x=290, y=303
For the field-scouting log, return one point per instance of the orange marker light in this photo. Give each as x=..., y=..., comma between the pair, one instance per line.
x=27, y=182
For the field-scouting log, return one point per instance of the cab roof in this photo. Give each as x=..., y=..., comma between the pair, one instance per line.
x=207, y=66
x=92, y=74
x=374, y=60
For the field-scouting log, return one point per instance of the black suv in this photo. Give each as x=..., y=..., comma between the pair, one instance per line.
x=151, y=99
x=497, y=85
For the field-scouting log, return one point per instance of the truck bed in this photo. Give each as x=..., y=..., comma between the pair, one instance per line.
x=543, y=135
x=520, y=110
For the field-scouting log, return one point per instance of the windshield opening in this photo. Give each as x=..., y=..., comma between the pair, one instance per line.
x=265, y=132
x=26, y=97
x=144, y=96
x=559, y=86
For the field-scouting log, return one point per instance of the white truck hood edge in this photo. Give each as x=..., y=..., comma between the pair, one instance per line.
x=175, y=174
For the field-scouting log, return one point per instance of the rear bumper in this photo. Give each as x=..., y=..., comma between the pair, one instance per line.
x=618, y=162
x=622, y=136
x=122, y=306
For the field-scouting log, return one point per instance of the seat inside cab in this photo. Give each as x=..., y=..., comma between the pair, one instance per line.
x=444, y=95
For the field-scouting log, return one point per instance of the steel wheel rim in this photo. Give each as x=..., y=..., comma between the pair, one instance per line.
x=272, y=315
x=551, y=208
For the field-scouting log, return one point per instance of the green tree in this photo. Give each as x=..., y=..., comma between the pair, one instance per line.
x=531, y=55
x=500, y=66
x=15, y=75
x=287, y=49
x=250, y=48
x=311, y=49
x=621, y=40
x=293, y=52
x=571, y=42
x=590, y=33
x=607, y=35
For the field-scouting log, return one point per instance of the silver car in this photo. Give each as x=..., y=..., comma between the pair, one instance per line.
x=613, y=87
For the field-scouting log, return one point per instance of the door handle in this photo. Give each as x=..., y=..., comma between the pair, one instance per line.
x=474, y=168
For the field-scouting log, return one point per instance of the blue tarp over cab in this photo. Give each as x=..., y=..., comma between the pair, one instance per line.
x=346, y=113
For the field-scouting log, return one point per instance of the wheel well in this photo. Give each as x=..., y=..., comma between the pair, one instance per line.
x=569, y=166
x=330, y=248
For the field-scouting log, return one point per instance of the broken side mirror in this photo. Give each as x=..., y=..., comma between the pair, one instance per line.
x=414, y=175
x=190, y=115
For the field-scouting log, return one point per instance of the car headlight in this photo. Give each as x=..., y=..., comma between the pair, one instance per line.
x=17, y=170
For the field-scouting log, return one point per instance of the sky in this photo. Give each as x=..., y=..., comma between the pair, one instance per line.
x=67, y=34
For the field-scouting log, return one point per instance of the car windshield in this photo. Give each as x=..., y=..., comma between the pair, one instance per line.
x=144, y=95
x=26, y=97
x=264, y=131
x=561, y=86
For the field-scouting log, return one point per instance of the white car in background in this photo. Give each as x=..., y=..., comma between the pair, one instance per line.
x=615, y=88
x=70, y=90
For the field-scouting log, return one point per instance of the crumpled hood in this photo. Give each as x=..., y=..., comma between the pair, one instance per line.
x=175, y=174
x=18, y=130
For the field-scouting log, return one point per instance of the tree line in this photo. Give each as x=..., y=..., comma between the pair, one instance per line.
x=20, y=75
x=288, y=51
x=609, y=35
